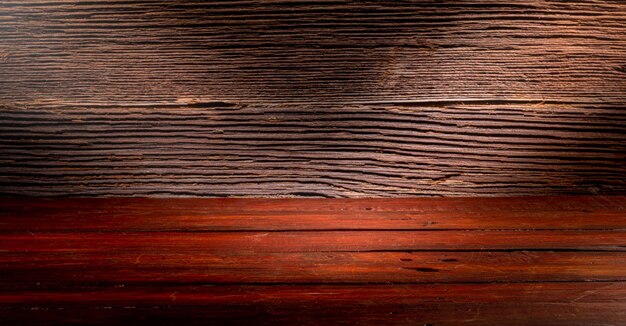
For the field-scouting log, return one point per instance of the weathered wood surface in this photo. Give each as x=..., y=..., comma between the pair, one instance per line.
x=561, y=261
x=325, y=98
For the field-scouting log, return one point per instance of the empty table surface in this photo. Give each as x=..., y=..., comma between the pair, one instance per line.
x=437, y=261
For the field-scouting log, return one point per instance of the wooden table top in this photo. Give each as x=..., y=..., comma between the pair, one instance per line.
x=474, y=261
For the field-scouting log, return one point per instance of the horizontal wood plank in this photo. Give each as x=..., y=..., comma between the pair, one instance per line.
x=235, y=214
x=162, y=265
x=443, y=304
x=320, y=241
x=546, y=292
x=164, y=52
x=580, y=314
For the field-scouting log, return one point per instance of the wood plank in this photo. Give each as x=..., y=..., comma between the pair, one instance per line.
x=164, y=52
x=312, y=99
x=321, y=241
x=150, y=265
x=562, y=314
x=546, y=292
x=186, y=214
x=358, y=152
x=442, y=304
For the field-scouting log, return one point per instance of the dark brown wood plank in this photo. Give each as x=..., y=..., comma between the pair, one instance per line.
x=165, y=52
x=194, y=214
x=324, y=99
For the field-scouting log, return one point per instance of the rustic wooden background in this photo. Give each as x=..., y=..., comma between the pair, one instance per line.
x=302, y=98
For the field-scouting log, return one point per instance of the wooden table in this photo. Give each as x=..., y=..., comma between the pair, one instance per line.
x=475, y=261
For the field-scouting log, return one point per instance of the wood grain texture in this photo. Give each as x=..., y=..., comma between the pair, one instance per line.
x=434, y=304
x=260, y=214
x=166, y=265
x=234, y=261
x=325, y=99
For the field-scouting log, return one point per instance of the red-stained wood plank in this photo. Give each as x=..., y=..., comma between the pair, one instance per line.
x=161, y=265
x=435, y=314
x=545, y=292
x=432, y=304
x=195, y=214
x=101, y=243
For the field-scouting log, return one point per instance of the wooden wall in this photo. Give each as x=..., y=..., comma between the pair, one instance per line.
x=312, y=98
